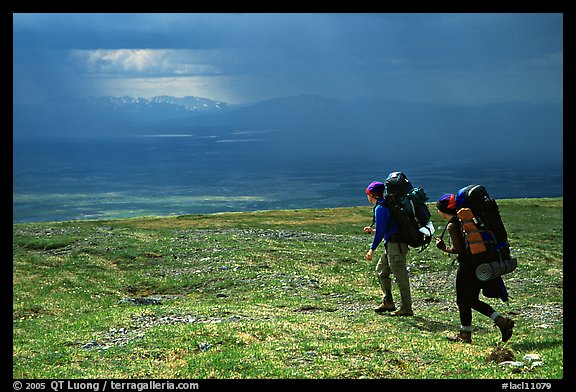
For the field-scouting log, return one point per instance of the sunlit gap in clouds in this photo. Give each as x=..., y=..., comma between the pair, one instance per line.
x=168, y=135
x=153, y=72
x=161, y=62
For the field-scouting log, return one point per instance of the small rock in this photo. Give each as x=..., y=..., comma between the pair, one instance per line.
x=514, y=364
x=141, y=301
x=530, y=358
x=90, y=344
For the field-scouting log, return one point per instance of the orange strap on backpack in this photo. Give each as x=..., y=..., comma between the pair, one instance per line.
x=471, y=232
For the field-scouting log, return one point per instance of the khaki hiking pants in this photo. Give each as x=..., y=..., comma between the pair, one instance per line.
x=393, y=261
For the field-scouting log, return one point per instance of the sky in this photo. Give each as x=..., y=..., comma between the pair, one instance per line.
x=464, y=58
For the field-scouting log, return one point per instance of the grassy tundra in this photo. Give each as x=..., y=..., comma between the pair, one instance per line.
x=269, y=294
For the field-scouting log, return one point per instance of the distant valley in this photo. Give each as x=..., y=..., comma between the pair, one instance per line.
x=123, y=156
x=313, y=125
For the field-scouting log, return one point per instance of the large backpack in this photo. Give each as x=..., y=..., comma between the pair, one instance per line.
x=484, y=233
x=407, y=205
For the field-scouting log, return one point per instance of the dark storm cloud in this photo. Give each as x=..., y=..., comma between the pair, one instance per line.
x=259, y=56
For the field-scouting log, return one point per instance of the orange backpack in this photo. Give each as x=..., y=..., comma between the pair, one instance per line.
x=472, y=234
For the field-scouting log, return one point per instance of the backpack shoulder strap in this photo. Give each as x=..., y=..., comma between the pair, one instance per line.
x=454, y=219
x=378, y=203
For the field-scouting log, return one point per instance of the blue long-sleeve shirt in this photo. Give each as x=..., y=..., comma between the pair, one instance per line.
x=385, y=224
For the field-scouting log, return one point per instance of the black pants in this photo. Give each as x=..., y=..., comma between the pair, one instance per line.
x=467, y=295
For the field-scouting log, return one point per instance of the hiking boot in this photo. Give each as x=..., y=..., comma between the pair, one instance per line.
x=505, y=324
x=385, y=307
x=463, y=336
x=403, y=312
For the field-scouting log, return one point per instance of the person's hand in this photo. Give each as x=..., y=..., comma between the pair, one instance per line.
x=369, y=255
x=440, y=243
x=368, y=230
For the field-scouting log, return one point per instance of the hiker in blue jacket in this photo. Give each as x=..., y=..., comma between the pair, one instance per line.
x=393, y=259
x=467, y=285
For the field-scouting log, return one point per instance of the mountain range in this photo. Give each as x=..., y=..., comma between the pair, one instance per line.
x=313, y=125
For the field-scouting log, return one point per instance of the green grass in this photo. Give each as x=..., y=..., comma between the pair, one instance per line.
x=267, y=295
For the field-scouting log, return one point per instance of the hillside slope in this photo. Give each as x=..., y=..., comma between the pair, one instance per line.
x=268, y=295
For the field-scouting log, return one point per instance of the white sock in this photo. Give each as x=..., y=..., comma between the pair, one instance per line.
x=466, y=328
x=494, y=316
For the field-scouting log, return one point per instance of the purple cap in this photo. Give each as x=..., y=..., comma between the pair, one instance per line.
x=375, y=189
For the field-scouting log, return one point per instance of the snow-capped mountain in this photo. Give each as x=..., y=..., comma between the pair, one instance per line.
x=110, y=115
x=188, y=104
x=310, y=124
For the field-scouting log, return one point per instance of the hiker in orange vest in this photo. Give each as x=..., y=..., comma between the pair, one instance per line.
x=467, y=285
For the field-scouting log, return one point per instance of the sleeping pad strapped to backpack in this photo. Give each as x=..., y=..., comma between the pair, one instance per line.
x=484, y=232
x=408, y=206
